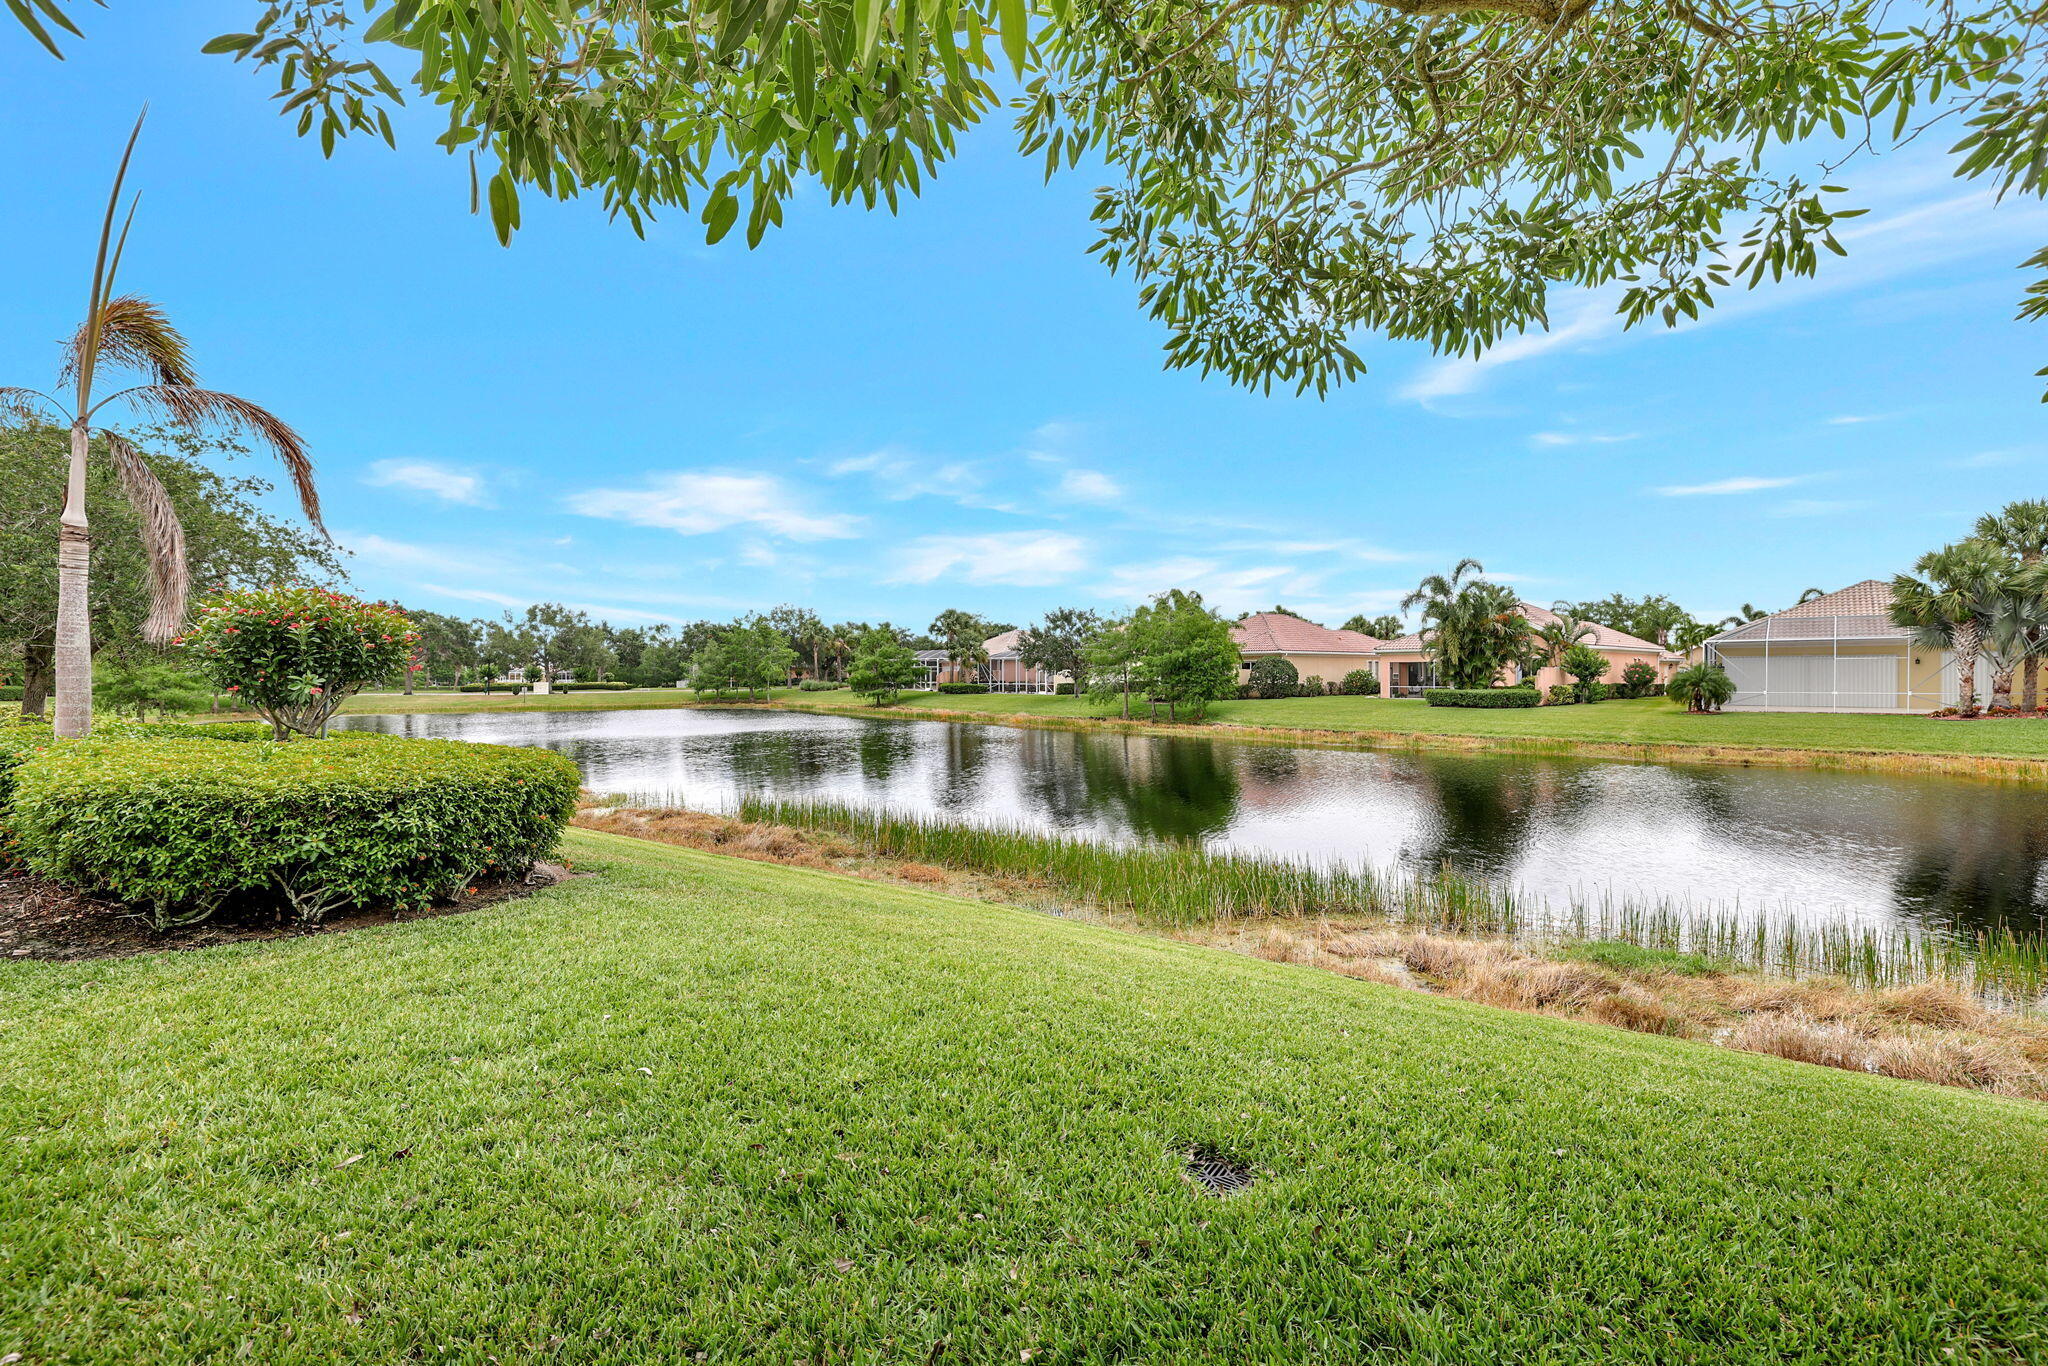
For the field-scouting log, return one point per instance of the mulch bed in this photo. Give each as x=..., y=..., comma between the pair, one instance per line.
x=46, y=921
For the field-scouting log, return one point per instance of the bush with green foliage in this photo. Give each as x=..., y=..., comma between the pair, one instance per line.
x=1560, y=695
x=963, y=688
x=883, y=666
x=294, y=654
x=1701, y=688
x=596, y=685
x=1587, y=666
x=1273, y=677
x=1637, y=679
x=1360, y=683
x=819, y=685
x=1480, y=697
x=181, y=830
x=139, y=687
x=10, y=694
x=1062, y=690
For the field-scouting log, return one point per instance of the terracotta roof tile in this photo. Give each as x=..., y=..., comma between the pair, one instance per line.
x=1276, y=633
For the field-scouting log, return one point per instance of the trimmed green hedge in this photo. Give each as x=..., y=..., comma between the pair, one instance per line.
x=958, y=688
x=1481, y=697
x=600, y=685
x=818, y=685
x=22, y=738
x=10, y=694
x=314, y=826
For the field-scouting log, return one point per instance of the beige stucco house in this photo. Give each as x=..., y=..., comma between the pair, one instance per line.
x=1407, y=669
x=1837, y=652
x=1314, y=651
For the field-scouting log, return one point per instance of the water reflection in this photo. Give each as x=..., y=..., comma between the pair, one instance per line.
x=1939, y=853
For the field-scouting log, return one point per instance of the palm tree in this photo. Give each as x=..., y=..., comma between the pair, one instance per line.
x=2021, y=531
x=1562, y=632
x=1810, y=594
x=1473, y=629
x=1692, y=634
x=1701, y=687
x=127, y=332
x=1948, y=606
x=1746, y=615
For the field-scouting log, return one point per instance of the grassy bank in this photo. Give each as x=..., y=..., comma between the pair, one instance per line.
x=1179, y=886
x=699, y=1105
x=1645, y=728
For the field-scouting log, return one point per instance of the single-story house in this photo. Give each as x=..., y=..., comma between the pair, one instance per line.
x=1314, y=651
x=1004, y=672
x=1406, y=670
x=1838, y=652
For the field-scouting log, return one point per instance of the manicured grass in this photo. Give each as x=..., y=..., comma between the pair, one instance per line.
x=766, y=1115
x=1641, y=721
x=1651, y=722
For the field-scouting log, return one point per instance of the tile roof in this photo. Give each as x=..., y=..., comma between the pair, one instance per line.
x=1276, y=633
x=1868, y=598
x=1604, y=637
x=1862, y=611
x=1004, y=644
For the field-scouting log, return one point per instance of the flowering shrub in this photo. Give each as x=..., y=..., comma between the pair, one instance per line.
x=179, y=830
x=295, y=654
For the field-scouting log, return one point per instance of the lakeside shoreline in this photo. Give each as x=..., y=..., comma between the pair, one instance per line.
x=1009, y=710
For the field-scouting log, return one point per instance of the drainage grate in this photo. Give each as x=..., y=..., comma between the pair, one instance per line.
x=1218, y=1173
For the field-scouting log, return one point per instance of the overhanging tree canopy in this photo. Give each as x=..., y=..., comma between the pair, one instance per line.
x=1290, y=172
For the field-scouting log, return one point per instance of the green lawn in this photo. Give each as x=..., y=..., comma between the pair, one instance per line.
x=707, y=1109
x=1649, y=720
x=1646, y=721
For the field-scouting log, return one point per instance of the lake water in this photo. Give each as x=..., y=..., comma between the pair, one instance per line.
x=1931, y=852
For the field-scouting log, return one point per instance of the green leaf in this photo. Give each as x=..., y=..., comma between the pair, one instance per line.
x=228, y=42
x=1013, y=24
x=504, y=198
x=719, y=215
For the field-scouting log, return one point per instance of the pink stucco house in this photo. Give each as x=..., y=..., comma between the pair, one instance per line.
x=1402, y=666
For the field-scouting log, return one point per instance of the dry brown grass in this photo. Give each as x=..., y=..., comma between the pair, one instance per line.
x=1933, y=1032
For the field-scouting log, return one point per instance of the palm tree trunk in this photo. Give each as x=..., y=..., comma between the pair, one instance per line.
x=2001, y=686
x=74, y=596
x=2030, y=683
x=1968, y=643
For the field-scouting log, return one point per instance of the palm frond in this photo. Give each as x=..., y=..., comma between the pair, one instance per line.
x=163, y=541
x=29, y=405
x=209, y=409
x=133, y=332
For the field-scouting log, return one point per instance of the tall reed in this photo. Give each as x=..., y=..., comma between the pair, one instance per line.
x=1183, y=885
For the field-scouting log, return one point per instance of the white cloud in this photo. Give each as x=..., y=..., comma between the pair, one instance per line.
x=1027, y=559
x=1913, y=238
x=1739, y=484
x=445, y=482
x=1591, y=317
x=696, y=502
x=1582, y=438
x=1858, y=419
x=1089, y=486
x=1984, y=460
x=899, y=475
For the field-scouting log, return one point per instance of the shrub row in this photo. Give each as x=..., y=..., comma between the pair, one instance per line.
x=959, y=688
x=10, y=694
x=181, y=830
x=1481, y=697
x=818, y=685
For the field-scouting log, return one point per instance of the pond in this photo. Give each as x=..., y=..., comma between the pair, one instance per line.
x=1927, y=852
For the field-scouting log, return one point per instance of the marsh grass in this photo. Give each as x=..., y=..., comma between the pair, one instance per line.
x=1180, y=886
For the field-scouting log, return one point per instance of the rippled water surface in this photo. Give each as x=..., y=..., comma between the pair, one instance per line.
x=1937, y=852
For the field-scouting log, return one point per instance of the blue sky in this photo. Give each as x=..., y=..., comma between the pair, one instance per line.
x=884, y=416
